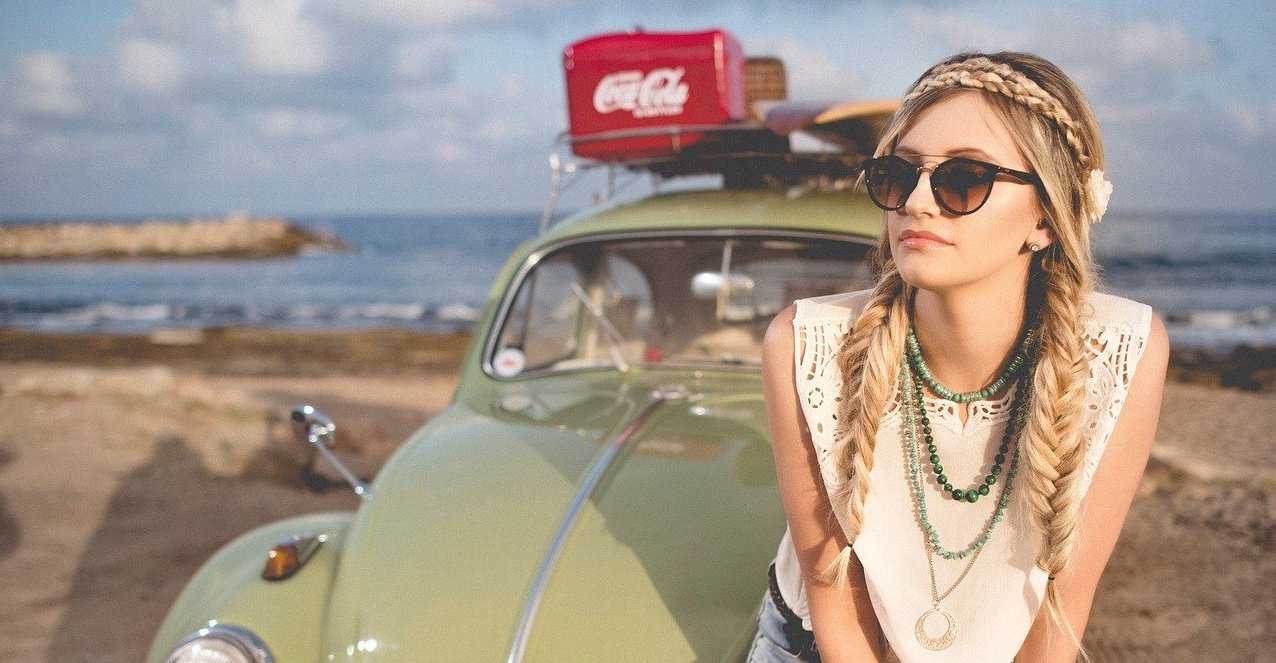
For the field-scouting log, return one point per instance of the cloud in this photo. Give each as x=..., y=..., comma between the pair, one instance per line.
x=409, y=14
x=149, y=66
x=437, y=15
x=289, y=123
x=1160, y=44
x=1252, y=123
x=1096, y=50
x=813, y=73
x=278, y=39
x=211, y=96
x=45, y=85
x=424, y=58
x=961, y=31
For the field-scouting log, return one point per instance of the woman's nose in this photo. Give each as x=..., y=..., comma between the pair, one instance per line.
x=921, y=201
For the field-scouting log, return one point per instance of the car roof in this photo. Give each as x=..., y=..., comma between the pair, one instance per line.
x=826, y=212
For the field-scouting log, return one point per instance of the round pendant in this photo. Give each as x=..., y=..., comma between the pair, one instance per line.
x=942, y=641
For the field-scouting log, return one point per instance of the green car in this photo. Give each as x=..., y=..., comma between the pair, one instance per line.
x=601, y=487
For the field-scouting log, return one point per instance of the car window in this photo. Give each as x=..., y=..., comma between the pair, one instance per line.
x=693, y=301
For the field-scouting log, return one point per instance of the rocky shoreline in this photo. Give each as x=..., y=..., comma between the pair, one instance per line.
x=235, y=236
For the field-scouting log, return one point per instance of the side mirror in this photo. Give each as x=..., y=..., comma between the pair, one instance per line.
x=315, y=429
x=311, y=426
x=733, y=293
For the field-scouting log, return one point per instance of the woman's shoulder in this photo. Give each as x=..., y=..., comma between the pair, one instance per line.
x=839, y=307
x=1117, y=333
x=1110, y=312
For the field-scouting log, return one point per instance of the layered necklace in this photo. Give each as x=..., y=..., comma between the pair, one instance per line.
x=913, y=401
x=923, y=375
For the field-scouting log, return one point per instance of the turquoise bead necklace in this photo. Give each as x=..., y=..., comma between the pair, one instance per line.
x=1011, y=372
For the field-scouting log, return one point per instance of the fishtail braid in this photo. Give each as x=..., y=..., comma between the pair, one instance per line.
x=1052, y=445
x=868, y=360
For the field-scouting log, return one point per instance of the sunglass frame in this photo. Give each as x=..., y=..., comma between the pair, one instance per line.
x=937, y=183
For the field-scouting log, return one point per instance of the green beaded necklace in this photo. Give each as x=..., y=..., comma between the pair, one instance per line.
x=912, y=402
x=971, y=495
x=1012, y=370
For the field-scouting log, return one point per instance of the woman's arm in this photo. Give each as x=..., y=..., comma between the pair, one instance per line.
x=1106, y=504
x=846, y=628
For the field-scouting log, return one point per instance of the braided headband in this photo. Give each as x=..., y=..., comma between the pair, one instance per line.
x=981, y=73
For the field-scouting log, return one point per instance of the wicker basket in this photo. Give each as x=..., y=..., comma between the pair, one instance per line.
x=764, y=79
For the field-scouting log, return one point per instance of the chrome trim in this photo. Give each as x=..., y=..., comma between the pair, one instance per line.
x=659, y=396
x=239, y=636
x=534, y=258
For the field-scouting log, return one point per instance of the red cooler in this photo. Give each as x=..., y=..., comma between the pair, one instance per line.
x=637, y=81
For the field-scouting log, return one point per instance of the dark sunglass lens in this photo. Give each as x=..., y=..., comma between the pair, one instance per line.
x=963, y=185
x=889, y=181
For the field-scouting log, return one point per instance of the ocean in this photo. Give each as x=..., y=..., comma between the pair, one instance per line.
x=1212, y=277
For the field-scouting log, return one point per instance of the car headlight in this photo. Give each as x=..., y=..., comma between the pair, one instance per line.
x=221, y=643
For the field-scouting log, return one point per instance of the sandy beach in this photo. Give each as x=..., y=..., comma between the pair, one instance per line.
x=125, y=462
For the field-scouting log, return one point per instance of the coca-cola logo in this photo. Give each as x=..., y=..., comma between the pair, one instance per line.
x=659, y=92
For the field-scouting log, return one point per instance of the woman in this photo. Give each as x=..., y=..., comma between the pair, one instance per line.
x=958, y=448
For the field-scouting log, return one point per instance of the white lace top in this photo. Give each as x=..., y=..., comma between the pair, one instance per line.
x=995, y=604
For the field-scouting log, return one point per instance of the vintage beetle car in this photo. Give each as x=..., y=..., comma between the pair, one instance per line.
x=601, y=486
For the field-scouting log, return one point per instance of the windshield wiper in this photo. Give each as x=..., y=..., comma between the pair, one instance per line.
x=614, y=339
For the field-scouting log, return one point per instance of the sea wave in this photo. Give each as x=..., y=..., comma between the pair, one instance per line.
x=1239, y=259
x=119, y=317
x=1221, y=329
x=1205, y=328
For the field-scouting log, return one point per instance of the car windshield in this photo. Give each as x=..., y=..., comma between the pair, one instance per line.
x=689, y=301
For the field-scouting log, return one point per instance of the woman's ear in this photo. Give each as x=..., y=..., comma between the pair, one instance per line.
x=1041, y=236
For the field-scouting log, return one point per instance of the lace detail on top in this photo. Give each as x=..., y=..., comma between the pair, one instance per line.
x=820, y=383
x=946, y=413
x=1113, y=349
x=1114, y=338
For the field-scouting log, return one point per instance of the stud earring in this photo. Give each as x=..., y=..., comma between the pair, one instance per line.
x=1034, y=247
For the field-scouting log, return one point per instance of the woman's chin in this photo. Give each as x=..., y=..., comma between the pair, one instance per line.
x=926, y=279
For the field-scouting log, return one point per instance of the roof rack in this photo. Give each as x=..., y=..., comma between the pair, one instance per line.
x=793, y=145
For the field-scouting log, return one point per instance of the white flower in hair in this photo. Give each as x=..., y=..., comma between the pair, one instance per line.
x=1100, y=190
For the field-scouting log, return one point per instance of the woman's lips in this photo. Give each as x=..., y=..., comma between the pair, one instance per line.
x=920, y=239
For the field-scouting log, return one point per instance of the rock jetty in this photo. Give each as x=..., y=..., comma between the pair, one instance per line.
x=235, y=236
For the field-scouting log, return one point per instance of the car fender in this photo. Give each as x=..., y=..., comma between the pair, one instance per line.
x=287, y=615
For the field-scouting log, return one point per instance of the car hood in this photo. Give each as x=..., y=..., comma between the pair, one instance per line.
x=665, y=559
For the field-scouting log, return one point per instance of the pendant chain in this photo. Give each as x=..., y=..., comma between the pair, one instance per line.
x=935, y=596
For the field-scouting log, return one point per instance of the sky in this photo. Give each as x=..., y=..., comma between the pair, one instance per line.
x=111, y=108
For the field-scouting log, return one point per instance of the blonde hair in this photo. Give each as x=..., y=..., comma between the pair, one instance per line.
x=1055, y=131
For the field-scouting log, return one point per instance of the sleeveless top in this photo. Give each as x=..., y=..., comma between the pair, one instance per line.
x=994, y=606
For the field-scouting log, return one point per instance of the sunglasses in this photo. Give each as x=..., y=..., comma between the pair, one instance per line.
x=960, y=185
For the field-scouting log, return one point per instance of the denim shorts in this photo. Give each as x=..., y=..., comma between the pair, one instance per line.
x=781, y=637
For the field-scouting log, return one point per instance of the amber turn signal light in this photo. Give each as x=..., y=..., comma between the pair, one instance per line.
x=289, y=555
